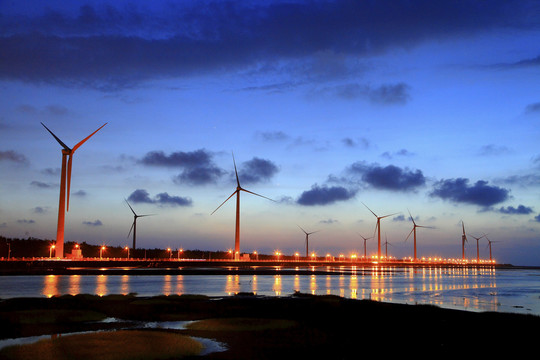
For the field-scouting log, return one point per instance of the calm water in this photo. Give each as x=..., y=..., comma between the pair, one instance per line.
x=504, y=290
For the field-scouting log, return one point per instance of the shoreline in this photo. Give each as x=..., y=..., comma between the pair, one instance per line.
x=203, y=267
x=324, y=326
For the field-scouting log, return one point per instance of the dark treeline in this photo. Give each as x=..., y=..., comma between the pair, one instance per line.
x=37, y=248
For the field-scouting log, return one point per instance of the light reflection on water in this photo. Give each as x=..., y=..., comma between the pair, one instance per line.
x=482, y=289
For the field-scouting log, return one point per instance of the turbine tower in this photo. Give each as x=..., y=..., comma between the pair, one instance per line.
x=63, y=204
x=134, y=225
x=413, y=231
x=365, y=239
x=463, y=240
x=307, y=239
x=237, y=228
x=477, y=247
x=378, y=226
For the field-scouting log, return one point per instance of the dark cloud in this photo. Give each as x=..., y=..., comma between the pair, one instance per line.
x=387, y=94
x=110, y=47
x=493, y=150
x=272, y=136
x=51, y=171
x=459, y=191
x=520, y=210
x=166, y=199
x=388, y=177
x=197, y=166
x=162, y=199
x=533, y=108
x=526, y=180
x=80, y=193
x=537, y=218
x=402, y=152
x=325, y=195
x=40, y=210
x=93, y=223
x=257, y=170
x=354, y=143
x=25, y=221
x=399, y=218
x=41, y=185
x=13, y=156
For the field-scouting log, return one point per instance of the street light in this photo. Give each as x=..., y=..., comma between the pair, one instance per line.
x=179, y=252
x=127, y=249
x=296, y=256
x=101, y=252
x=256, y=255
x=230, y=253
x=51, y=249
x=170, y=253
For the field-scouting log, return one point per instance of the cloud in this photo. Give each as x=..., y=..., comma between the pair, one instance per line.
x=197, y=166
x=520, y=210
x=12, y=156
x=329, y=221
x=162, y=199
x=93, y=223
x=79, y=193
x=387, y=94
x=40, y=210
x=166, y=199
x=459, y=191
x=493, y=150
x=25, y=221
x=257, y=170
x=402, y=152
x=116, y=46
x=42, y=185
x=51, y=171
x=533, y=108
x=399, y=218
x=388, y=177
x=325, y=195
x=354, y=143
x=273, y=136
x=537, y=218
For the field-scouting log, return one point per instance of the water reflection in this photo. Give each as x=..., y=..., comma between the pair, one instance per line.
x=50, y=286
x=454, y=287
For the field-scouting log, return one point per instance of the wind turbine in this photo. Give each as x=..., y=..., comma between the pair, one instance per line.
x=63, y=204
x=386, y=243
x=477, y=248
x=489, y=244
x=378, y=226
x=237, y=228
x=414, y=231
x=463, y=240
x=307, y=239
x=134, y=225
x=365, y=239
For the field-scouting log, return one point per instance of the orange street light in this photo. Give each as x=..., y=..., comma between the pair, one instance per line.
x=179, y=252
x=127, y=249
x=170, y=253
x=101, y=252
x=50, y=250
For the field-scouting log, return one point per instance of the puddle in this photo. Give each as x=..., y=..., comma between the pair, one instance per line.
x=209, y=345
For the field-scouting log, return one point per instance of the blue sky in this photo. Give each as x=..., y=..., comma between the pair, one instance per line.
x=427, y=107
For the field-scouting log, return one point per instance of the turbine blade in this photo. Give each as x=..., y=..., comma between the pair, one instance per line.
x=251, y=192
x=302, y=229
x=57, y=139
x=132, y=225
x=224, y=201
x=412, y=219
x=370, y=210
x=382, y=217
x=409, y=235
x=133, y=211
x=236, y=172
x=86, y=138
x=69, y=180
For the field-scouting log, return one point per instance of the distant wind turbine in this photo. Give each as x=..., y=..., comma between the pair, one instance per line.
x=413, y=231
x=378, y=226
x=365, y=239
x=237, y=228
x=463, y=240
x=477, y=247
x=134, y=225
x=67, y=158
x=489, y=244
x=307, y=239
x=386, y=243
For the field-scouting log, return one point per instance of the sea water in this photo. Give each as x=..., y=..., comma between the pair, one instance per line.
x=473, y=289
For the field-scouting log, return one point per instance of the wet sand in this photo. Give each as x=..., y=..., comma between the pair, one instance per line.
x=319, y=327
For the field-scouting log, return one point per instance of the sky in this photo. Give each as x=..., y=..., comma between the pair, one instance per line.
x=330, y=108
